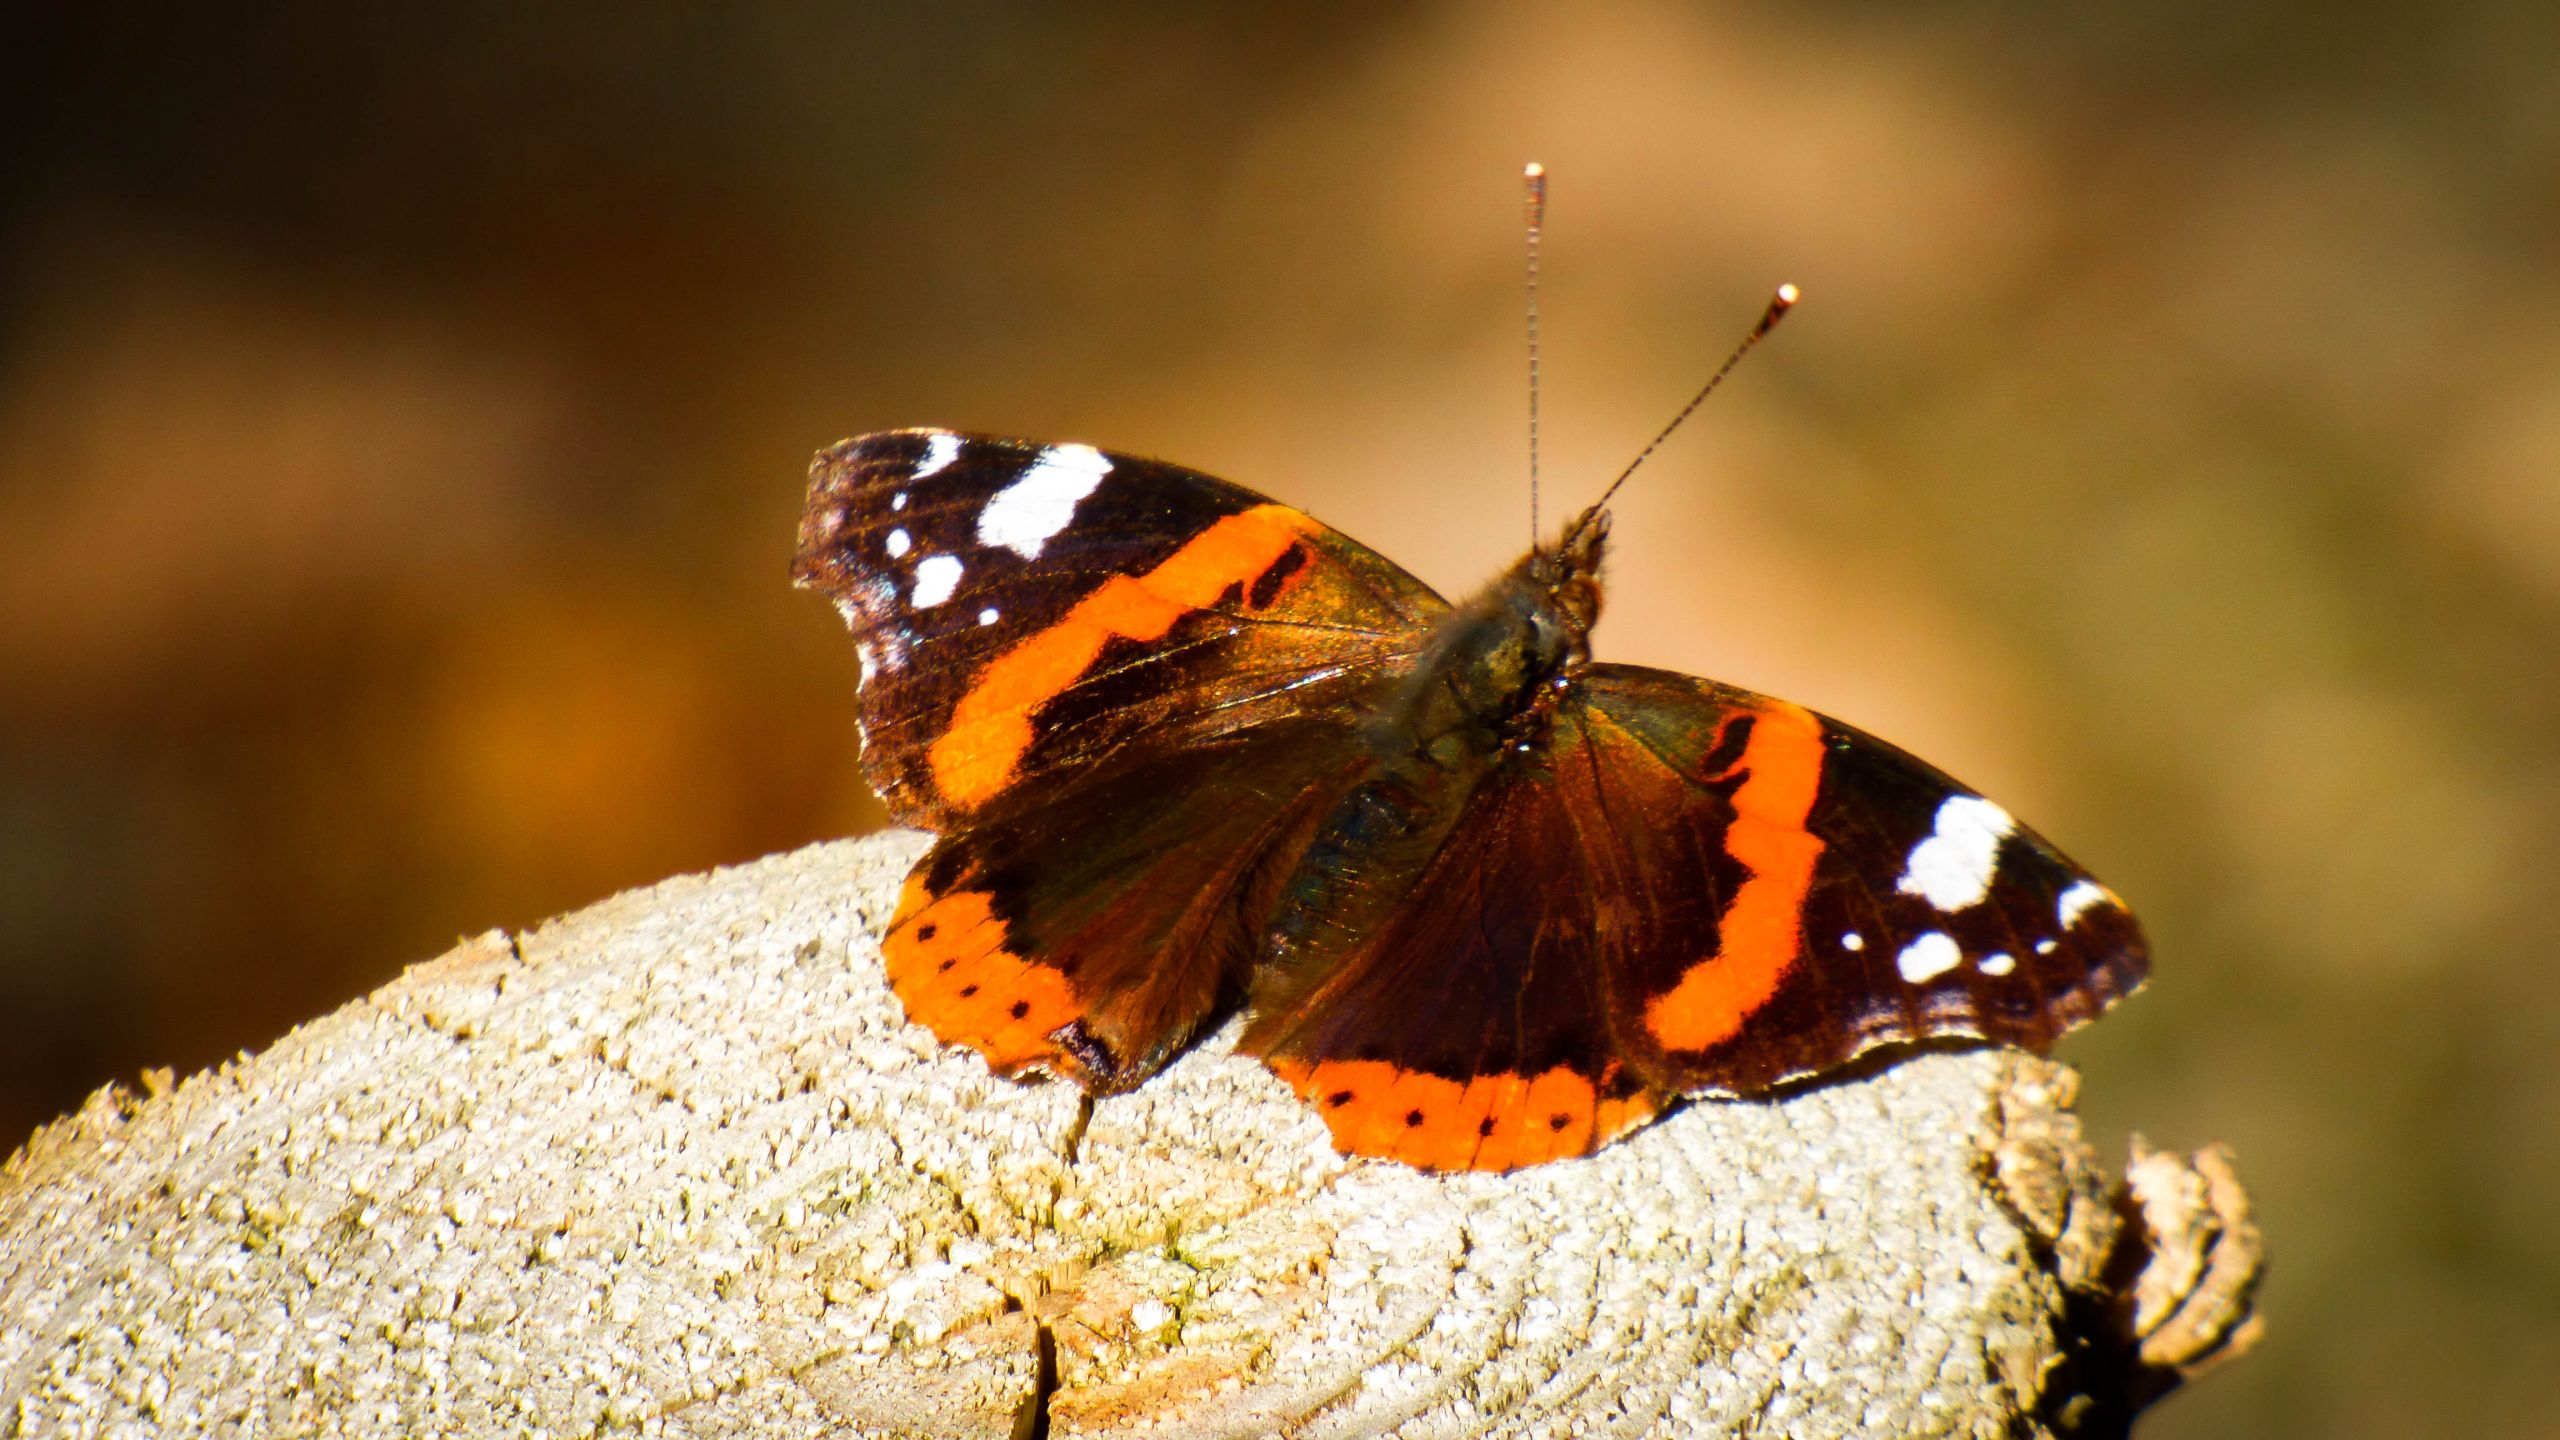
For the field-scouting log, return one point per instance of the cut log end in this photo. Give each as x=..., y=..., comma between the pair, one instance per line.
x=678, y=1160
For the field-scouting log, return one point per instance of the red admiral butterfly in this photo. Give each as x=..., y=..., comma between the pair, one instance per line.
x=1486, y=901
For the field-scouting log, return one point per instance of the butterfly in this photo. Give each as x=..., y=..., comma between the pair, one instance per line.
x=1483, y=901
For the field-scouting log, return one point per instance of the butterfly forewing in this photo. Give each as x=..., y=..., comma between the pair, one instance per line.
x=1804, y=892
x=1021, y=610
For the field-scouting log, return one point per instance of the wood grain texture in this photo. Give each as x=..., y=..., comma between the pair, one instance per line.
x=676, y=1165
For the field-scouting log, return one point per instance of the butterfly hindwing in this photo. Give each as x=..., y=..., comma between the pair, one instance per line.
x=1089, y=936
x=1810, y=892
x=1466, y=1029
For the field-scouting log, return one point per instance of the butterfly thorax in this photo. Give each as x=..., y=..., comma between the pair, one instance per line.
x=1486, y=680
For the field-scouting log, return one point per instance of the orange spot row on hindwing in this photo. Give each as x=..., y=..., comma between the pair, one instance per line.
x=1760, y=930
x=1493, y=1122
x=991, y=727
x=947, y=961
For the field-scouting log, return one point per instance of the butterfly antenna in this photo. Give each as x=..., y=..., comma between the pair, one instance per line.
x=1534, y=176
x=1779, y=304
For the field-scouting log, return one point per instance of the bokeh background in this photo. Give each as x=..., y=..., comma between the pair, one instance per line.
x=402, y=421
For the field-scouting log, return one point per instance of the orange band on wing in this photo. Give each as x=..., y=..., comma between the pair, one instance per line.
x=947, y=961
x=991, y=727
x=1759, y=933
x=1493, y=1122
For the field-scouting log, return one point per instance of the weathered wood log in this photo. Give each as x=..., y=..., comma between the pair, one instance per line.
x=675, y=1164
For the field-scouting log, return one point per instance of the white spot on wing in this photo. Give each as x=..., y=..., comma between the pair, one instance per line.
x=1952, y=867
x=1853, y=941
x=2045, y=947
x=898, y=501
x=936, y=577
x=1998, y=963
x=2081, y=896
x=1929, y=957
x=870, y=662
x=1026, y=514
x=939, y=450
x=898, y=543
x=987, y=616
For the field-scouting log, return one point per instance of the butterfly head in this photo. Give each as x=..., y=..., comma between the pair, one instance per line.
x=1563, y=580
x=1546, y=606
x=1491, y=663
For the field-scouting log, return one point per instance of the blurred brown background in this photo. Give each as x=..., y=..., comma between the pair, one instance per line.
x=402, y=425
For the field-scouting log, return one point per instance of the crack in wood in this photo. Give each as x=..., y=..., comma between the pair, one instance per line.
x=1031, y=1422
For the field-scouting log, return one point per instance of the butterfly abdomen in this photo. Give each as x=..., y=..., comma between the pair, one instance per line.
x=1387, y=825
